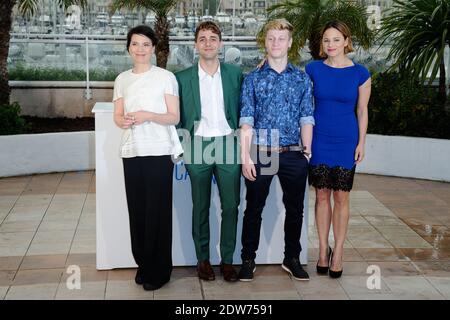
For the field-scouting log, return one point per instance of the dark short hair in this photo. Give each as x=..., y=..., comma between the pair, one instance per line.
x=142, y=30
x=208, y=25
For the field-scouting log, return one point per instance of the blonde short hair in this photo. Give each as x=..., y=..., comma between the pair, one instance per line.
x=342, y=28
x=279, y=24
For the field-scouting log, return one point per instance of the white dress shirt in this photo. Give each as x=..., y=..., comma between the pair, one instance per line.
x=213, y=122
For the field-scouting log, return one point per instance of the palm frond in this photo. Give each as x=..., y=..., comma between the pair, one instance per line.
x=309, y=16
x=159, y=7
x=30, y=7
x=417, y=31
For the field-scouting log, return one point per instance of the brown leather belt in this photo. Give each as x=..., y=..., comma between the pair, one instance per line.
x=280, y=149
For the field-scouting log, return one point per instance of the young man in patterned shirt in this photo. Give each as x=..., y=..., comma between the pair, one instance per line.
x=276, y=113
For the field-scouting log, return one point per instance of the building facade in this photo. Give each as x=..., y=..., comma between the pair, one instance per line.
x=190, y=7
x=257, y=7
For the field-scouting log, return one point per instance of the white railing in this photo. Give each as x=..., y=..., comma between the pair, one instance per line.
x=108, y=53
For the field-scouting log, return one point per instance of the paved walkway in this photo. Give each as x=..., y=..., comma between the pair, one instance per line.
x=401, y=226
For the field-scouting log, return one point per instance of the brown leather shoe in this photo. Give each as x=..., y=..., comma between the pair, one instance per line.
x=205, y=271
x=229, y=274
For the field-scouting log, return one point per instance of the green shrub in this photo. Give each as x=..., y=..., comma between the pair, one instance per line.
x=401, y=106
x=103, y=75
x=22, y=73
x=11, y=121
x=174, y=68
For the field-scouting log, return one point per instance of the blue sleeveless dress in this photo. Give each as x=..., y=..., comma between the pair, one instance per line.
x=335, y=134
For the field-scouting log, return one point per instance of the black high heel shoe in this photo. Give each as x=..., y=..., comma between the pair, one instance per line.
x=323, y=270
x=334, y=274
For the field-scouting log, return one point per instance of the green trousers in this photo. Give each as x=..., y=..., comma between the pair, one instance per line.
x=210, y=157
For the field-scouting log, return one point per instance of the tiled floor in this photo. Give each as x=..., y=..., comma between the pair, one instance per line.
x=399, y=228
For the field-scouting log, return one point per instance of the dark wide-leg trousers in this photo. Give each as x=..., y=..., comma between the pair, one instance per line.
x=148, y=184
x=292, y=171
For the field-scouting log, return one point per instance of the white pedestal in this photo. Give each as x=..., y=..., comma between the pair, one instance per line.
x=113, y=233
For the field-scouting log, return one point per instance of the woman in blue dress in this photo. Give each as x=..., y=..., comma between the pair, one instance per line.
x=340, y=87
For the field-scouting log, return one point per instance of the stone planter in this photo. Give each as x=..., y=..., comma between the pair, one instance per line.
x=50, y=99
x=48, y=152
x=410, y=157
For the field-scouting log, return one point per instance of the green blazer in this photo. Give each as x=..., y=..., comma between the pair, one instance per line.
x=189, y=91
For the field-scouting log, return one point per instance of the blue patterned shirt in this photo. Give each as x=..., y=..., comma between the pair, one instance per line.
x=278, y=103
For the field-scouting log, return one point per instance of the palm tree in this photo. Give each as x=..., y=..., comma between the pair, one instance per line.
x=161, y=8
x=420, y=31
x=309, y=16
x=26, y=7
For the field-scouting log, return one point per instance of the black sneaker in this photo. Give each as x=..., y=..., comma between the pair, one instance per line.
x=247, y=269
x=295, y=269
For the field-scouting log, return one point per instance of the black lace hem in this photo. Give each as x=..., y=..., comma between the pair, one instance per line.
x=336, y=178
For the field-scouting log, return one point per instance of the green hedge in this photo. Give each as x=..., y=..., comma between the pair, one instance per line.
x=11, y=121
x=401, y=106
x=20, y=72
x=398, y=105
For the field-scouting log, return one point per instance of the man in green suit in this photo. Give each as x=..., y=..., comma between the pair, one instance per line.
x=209, y=110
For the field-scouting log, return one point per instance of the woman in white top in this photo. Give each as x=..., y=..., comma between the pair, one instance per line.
x=146, y=107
